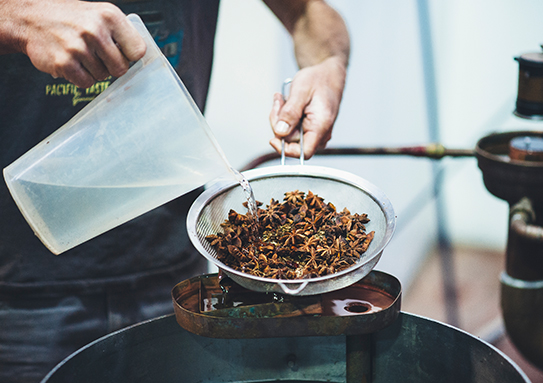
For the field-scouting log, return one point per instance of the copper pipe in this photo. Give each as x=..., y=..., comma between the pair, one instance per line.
x=521, y=216
x=433, y=151
x=522, y=282
x=524, y=260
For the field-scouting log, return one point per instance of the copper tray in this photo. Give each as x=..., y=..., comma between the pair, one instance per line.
x=203, y=308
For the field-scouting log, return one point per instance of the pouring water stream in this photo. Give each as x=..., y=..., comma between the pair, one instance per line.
x=248, y=190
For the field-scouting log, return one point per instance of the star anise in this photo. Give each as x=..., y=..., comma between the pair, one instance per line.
x=326, y=252
x=302, y=237
x=293, y=238
x=314, y=201
x=295, y=197
x=309, y=244
x=273, y=213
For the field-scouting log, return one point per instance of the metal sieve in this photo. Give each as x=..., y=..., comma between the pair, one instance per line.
x=341, y=188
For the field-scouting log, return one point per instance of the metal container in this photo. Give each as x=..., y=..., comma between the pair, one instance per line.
x=412, y=349
x=513, y=171
x=506, y=177
x=530, y=86
x=341, y=188
x=202, y=307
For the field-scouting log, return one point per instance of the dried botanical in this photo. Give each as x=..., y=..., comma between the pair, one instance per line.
x=301, y=237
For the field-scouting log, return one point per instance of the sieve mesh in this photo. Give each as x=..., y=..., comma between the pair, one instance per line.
x=342, y=189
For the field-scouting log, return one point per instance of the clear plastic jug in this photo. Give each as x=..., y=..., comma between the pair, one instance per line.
x=138, y=145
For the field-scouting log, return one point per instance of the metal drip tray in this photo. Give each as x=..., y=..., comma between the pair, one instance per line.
x=202, y=307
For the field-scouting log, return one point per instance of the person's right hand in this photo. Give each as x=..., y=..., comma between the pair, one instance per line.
x=81, y=41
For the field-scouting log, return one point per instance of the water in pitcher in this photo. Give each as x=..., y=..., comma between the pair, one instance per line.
x=86, y=212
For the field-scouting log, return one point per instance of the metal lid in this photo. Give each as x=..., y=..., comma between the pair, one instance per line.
x=533, y=59
x=526, y=148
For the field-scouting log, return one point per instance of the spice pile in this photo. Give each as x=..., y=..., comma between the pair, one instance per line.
x=301, y=237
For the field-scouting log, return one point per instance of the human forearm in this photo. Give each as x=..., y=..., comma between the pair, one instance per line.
x=77, y=40
x=321, y=43
x=11, y=23
x=317, y=30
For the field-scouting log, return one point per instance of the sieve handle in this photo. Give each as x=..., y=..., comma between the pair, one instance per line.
x=295, y=291
x=283, y=92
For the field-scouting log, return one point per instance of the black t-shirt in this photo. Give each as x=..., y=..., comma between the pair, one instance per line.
x=33, y=105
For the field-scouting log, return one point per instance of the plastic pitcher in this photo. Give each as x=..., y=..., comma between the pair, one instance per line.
x=138, y=145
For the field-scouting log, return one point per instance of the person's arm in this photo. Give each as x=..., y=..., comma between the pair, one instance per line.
x=81, y=41
x=322, y=47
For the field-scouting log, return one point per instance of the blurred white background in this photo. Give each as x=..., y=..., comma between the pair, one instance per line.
x=419, y=69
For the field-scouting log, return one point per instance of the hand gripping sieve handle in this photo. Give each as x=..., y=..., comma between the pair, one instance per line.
x=283, y=92
x=295, y=291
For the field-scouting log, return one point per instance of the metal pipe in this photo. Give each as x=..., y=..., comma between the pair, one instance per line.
x=522, y=282
x=521, y=216
x=358, y=358
x=524, y=254
x=432, y=151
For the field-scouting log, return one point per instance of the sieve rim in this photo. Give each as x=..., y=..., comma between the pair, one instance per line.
x=219, y=186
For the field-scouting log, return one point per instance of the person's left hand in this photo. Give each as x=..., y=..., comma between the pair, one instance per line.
x=315, y=95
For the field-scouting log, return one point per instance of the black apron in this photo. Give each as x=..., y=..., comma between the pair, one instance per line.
x=52, y=305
